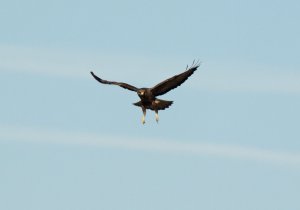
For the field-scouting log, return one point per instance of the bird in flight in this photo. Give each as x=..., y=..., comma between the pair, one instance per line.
x=148, y=95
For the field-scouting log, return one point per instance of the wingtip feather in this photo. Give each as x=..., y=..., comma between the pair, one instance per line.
x=195, y=65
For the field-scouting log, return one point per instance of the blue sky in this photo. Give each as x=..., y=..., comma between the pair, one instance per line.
x=230, y=140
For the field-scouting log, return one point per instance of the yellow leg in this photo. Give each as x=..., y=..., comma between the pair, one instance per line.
x=144, y=115
x=156, y=116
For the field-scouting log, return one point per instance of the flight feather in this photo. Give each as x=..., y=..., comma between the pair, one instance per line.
x=121, y=84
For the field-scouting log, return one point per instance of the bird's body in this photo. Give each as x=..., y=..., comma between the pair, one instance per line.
x=149, y=101
x=148, y=96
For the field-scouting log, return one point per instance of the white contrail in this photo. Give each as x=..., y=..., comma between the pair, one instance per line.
x=152, y=145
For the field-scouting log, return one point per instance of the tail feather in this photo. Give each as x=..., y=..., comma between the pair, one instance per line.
x=158, y=104
x=139, y=103
x=161, y=104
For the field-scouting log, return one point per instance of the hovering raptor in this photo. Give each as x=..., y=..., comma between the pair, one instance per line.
x=148, y=95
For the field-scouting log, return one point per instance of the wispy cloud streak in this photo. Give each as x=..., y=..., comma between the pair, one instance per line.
x=215, y=75
x=151, y=145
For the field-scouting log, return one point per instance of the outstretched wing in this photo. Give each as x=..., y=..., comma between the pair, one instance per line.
x=121, y=84
x=175, y=81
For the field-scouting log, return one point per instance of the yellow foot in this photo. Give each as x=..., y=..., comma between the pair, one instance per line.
x=143, y=120
x=156, y=117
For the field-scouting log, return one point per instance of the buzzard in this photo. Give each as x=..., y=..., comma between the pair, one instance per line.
x=148, y=95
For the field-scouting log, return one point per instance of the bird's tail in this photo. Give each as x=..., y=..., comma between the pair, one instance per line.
x=158, y=104
x=161, y=104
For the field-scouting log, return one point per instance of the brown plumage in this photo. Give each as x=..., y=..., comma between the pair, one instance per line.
x=148, y=95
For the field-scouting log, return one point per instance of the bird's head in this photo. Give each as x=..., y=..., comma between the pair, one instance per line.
x=141, y=92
